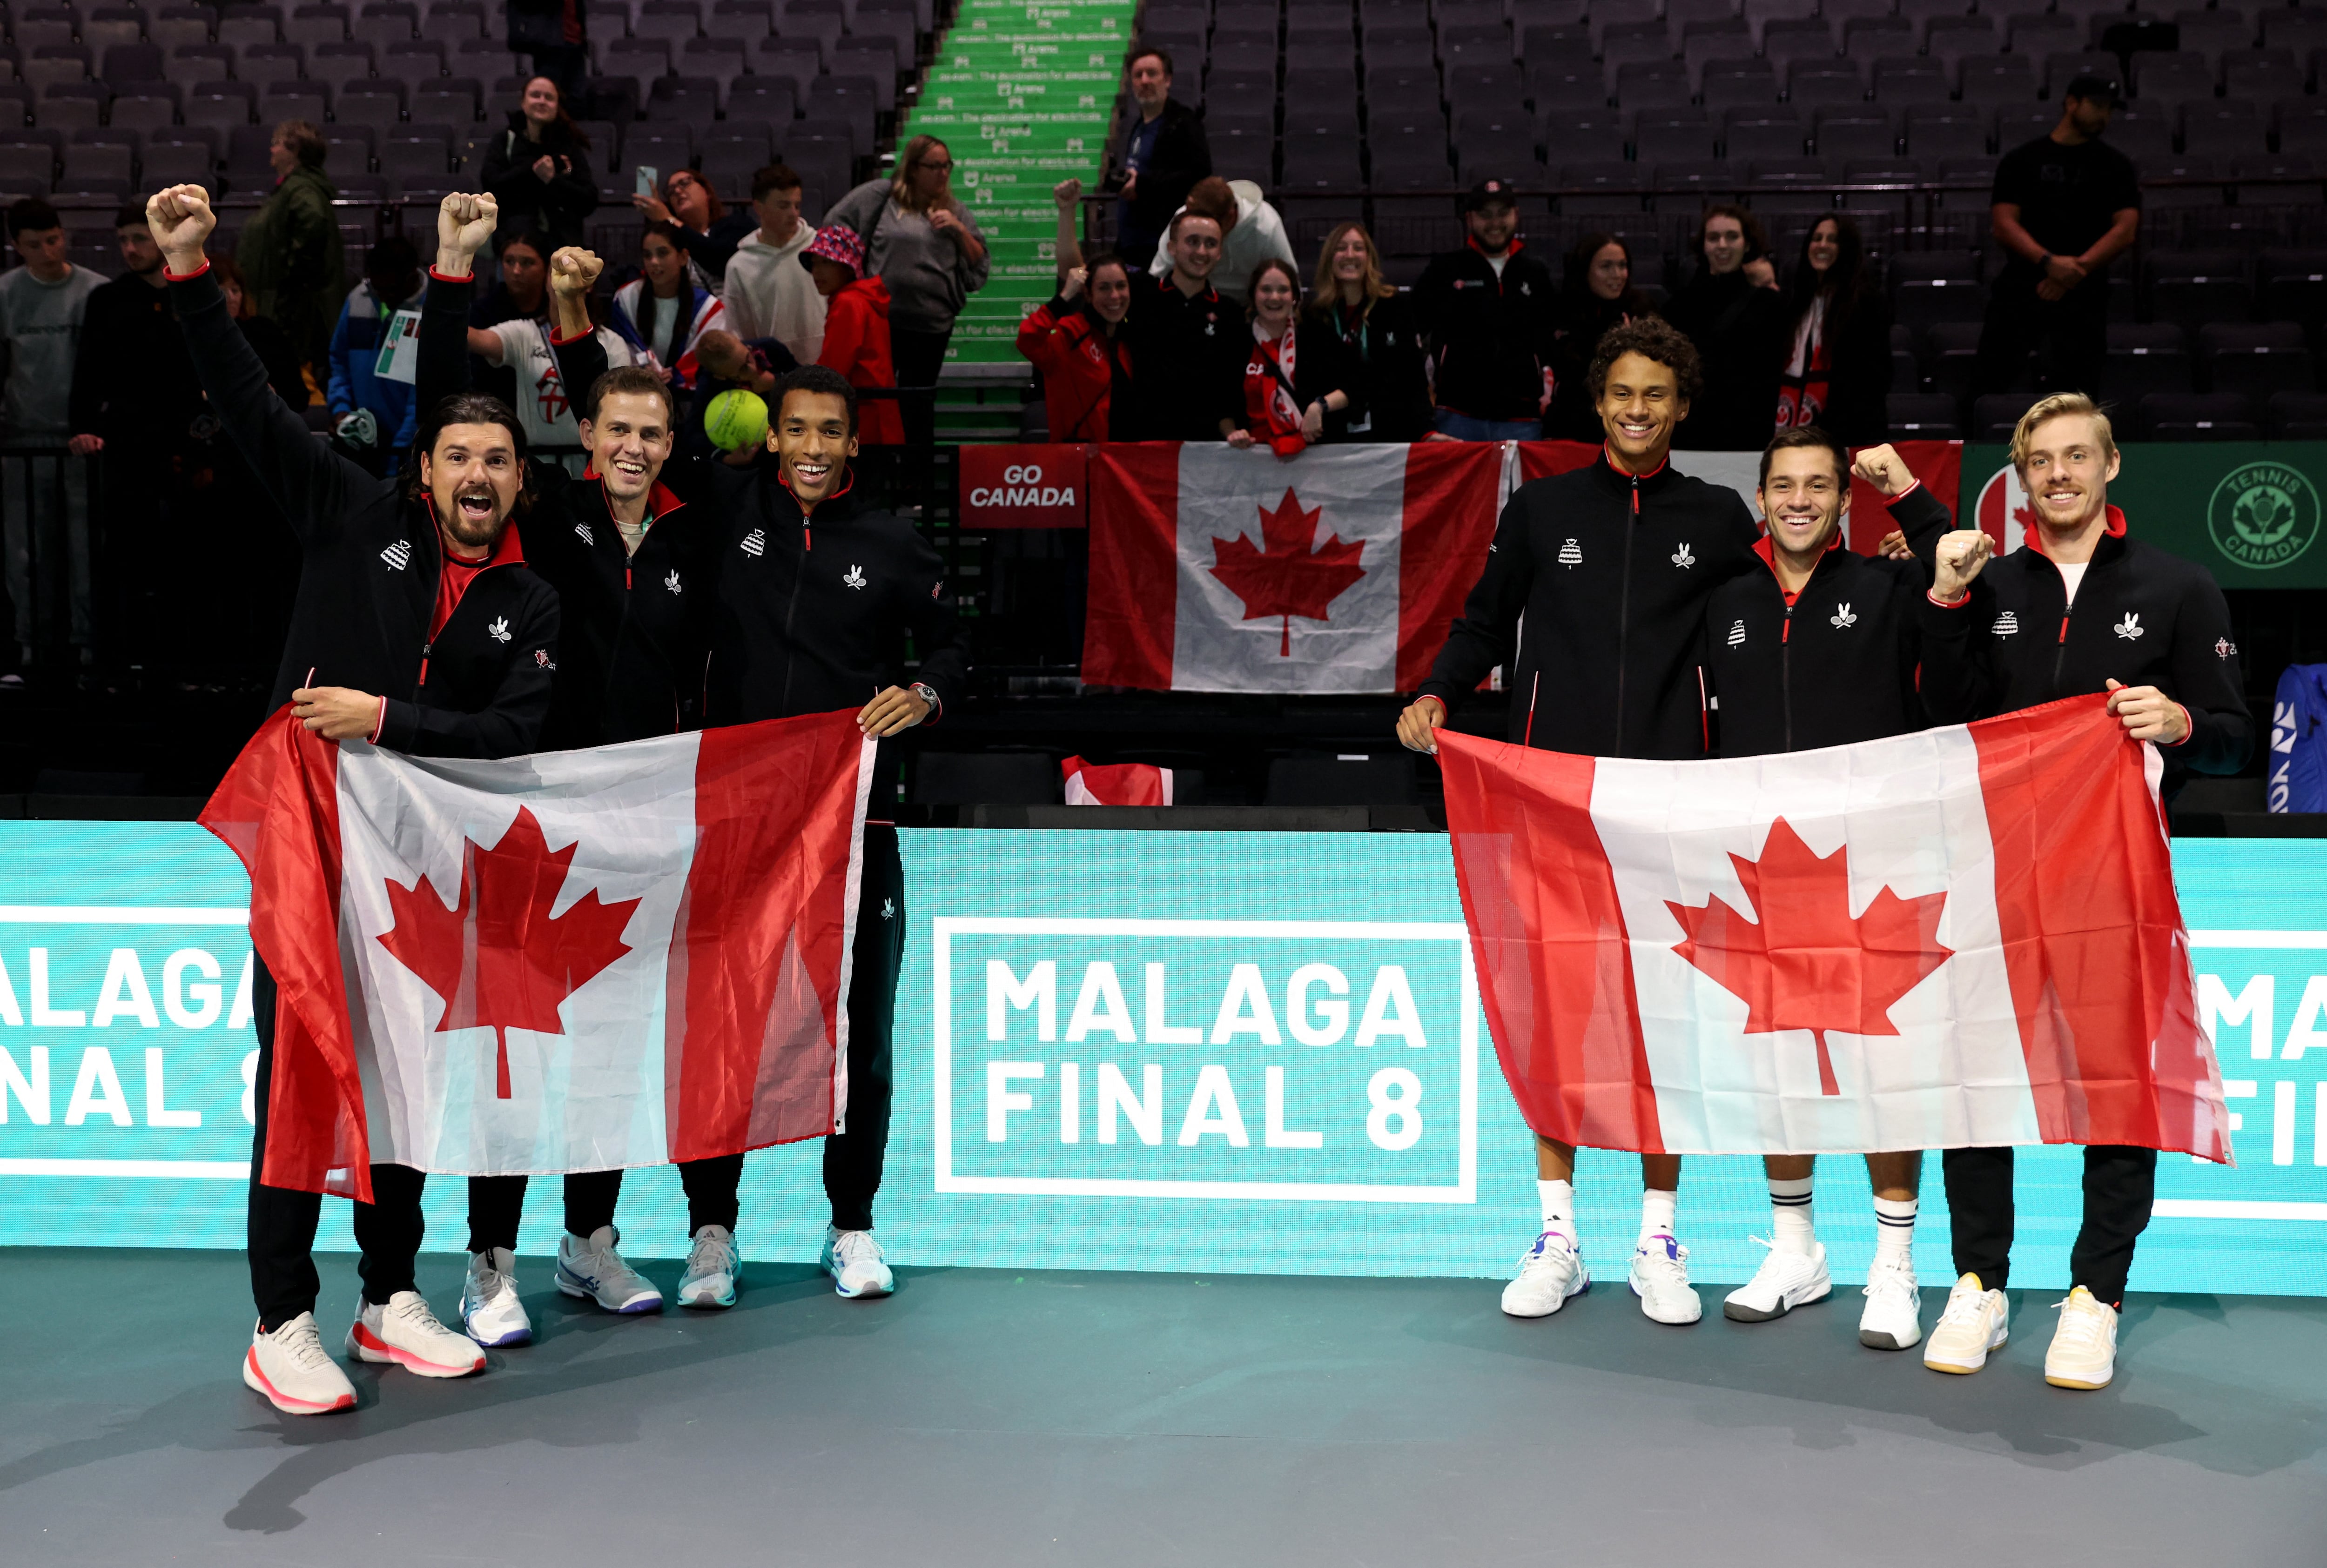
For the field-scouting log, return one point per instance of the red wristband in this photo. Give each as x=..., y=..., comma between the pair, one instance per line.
x=2188, y=729
x=381, y=723
x=451, y=278
x=169, y=277
x=1948, y=603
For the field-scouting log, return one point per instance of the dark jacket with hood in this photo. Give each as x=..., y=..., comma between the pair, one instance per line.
x=1182, y=155
x=554, y=208
x=1611, y=574
x=1489, y=335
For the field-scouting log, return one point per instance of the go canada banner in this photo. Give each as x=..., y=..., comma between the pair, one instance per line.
x=1965, y=936
x=573, y=961
x=1219, y=570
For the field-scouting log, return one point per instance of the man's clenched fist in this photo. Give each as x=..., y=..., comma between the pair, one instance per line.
x=181, y=221
x=464, y=226
x=1961, y=554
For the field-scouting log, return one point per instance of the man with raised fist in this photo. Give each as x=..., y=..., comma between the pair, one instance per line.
x=418, y=628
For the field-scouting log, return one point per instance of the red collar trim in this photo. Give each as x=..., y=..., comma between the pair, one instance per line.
x=1609, y=458
x=1165, y=286
x=847, y=483
x=509, y=550
x=660, y=502
x=1471, y=242
x=2033, y=536
x=1766, y=548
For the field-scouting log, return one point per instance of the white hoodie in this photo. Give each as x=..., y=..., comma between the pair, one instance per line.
x=1258, y=234
x=770, y=294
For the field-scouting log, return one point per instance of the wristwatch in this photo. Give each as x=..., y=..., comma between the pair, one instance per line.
x=928, y=696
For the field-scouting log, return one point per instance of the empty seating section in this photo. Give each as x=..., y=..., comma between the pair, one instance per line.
x=108, y=100
x=1611, y=117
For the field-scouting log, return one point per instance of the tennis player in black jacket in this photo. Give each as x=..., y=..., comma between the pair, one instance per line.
x=2082, y=609
x=418, y=627
x=1610, y=567
x=1821, y=649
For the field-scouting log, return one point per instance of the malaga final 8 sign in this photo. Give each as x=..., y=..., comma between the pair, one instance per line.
x=1214, y=1052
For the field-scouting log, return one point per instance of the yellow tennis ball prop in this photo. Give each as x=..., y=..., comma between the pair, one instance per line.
x=736, y=419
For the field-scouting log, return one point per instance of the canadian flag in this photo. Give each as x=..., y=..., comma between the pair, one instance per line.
x=1965, y=936
x=573, y=961
x=1215, y=569
x=1115, y=784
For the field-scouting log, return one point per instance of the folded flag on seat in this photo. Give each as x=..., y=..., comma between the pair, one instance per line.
x=1116, y=784
x=1964, y=937
x=573, y=961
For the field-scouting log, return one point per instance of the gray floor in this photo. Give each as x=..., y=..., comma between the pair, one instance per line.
x=982, y=1417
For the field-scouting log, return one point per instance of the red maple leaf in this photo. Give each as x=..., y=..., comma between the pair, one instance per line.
x=1285, y=577
x=1798, y=959
x=498, y=958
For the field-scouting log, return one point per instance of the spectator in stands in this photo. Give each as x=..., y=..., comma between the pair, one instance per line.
x=689, y=203
x=856, y=333
x=2065, y=206
x=45, y=498
x=660, y=312
x=1077, y=340
x=1380, y=340
x=515, y=338
x=727, y=363
x=520, y=291
x=555, y=32
x=290, y=251
x=375, y=417
x=136, y=402
x=1731, y=310
x=539, y=169
x=1292, y=372
x=769, y=294
x=1186, y=349
x=1595, y=296
x=922, y=242
x=1251, y=232
x=1162, y=156
x=285, y=373
x=1837, y=369
x=1488, y=308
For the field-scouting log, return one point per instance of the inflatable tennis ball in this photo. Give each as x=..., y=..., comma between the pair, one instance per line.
x=736, y=419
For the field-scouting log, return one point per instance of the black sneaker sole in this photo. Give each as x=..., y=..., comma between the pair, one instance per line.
x=1741, y=1314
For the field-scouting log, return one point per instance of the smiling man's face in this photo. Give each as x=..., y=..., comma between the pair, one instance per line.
x=813, y=442
x=628, y=441
x=1804, y=497
x=474, y=475
x=1639, y=405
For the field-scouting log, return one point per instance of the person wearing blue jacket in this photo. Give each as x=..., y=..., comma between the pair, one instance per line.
x=371, y=416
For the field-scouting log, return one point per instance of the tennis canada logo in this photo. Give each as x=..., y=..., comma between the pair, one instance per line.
x=2263, y=515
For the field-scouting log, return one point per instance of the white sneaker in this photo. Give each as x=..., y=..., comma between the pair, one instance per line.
x=1977, y=1321
x=1786, y=1280
x=1550, y=1272
x=407, y=1332
x=1660, y=1279
x=1893, y=1317
x=2083, y=1353
x=291, y=1367
x=490, y=1310
x=595, y=1271
x=709, y=1282
x=853, y=1258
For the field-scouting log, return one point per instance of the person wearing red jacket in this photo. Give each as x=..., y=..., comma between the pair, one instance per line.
x=855, y=326
x=1076, y=341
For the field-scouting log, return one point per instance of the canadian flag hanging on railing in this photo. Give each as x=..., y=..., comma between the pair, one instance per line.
x=1219, y=570
x=1964, y=937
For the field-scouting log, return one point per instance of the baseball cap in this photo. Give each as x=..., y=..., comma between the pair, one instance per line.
x=1487, y=191
x=2095, y=88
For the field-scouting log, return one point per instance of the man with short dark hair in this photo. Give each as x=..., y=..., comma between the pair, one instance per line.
x=418, y=627
x=1592, y=603
x=1187, y=346
x=374, y=414
x=1251, y=232
x=290, y=251
x=1162, y=154
x=2065, y=206
x=1731, y=310
x=769, y=293
x=1488, y=310
x=45, y=499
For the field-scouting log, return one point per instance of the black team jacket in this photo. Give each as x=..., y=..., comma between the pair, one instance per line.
x=2142, y=617
x=1837, y=664
x=370, y=565
x=1187, y=355
x=1612, y=573
x=1490, y=336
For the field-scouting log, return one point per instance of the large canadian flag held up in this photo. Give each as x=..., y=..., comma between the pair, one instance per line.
x=573, y=961
x=1965, y=936
x=1215, y=569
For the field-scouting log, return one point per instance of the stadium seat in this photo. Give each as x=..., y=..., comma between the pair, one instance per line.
x=1386, y=780
x=2197, y=416
x=985, y=779
x=2256, y=359
x=2298, y=417
x=1923, y=416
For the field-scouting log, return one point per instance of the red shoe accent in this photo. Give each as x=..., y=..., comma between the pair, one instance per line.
x=282, y=1401
x=369, y=1340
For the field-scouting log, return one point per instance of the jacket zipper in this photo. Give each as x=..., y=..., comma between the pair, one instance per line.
x=2060, y=648
x=791, y=604
x=1624, y=618
x=1785, y=675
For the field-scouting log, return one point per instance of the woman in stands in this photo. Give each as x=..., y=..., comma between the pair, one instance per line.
x=539, y=169
x=690, y=205
x=1838, y=373
x=1380, y=339
x=1292, y=379
x=661, y=312
x=1596, y=295
x=1076, y=341
x=923, y=244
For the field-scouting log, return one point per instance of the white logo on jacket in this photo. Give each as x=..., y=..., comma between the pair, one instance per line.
x=1570, y=554
x=671, y=582
x=397, y=554
x=587, y=537
x=498, y=630
x=1842, y=618
x=2130, y=627
x=2224, y=647
x=1682, y=557
x=755, y=542
x=1736, y=632
x=2006, y=624
x=854, y=577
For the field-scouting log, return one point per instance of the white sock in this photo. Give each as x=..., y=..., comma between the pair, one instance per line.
x=1792, y=1229
x=1656, y=1210
x=1894, y=1230
x=1558, y=1206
